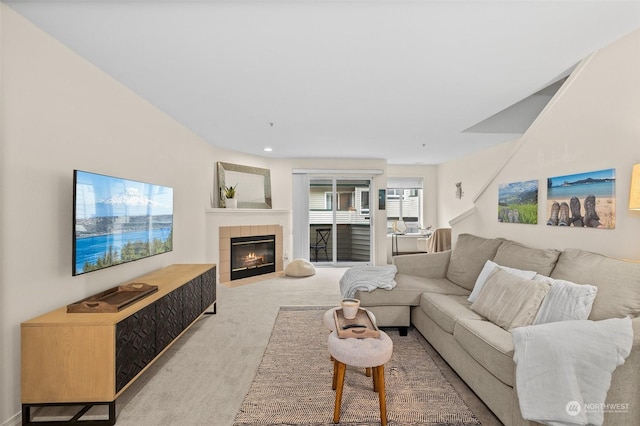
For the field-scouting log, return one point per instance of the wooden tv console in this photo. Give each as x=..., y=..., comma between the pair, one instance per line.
x=87, y=359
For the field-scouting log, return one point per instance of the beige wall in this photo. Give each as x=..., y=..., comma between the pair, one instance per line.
x=591, y=124
x=3, y=389
x=474, y=171
x=59, y=114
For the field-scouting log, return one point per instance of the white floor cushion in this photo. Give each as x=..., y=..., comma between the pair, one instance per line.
x=300, y=268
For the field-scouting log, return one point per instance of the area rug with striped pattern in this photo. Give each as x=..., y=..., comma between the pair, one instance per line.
x=293, y=383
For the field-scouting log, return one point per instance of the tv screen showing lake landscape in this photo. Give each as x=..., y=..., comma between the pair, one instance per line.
x=118, y=220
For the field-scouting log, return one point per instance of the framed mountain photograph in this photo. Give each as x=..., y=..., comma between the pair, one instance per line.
x=518, y=202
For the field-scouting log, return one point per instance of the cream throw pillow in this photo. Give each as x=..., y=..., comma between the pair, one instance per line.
x=488, y=268
x=510, y=301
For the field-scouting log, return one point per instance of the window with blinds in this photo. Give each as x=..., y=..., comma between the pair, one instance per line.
x=404, y=202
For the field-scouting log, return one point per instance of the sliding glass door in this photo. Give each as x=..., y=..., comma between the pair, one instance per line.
x=339, y=220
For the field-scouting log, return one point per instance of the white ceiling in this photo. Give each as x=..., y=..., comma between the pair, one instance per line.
x=387, y=79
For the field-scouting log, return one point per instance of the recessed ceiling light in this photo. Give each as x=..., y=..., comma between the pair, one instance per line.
x=268, y=149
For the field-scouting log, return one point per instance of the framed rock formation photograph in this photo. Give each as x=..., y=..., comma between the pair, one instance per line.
x=582, y=200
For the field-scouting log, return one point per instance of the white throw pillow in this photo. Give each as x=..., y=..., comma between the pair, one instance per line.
x=566, y=301
x=488, y=268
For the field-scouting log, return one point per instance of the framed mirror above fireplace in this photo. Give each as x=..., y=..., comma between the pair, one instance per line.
x=252, y=184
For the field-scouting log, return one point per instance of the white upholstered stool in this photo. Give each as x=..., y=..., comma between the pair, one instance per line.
x=330, y=322
x=361, y=353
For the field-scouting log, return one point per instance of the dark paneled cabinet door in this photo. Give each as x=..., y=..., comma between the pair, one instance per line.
x=169, y=322
x=135, y=344
x=192, y=300
x=208, y=280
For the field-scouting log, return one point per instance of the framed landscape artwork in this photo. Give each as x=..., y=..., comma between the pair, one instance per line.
x=582, y=200
x=518, y=202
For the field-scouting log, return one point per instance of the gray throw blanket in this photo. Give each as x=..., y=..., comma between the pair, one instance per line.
x=564, y=368
x=367, y=278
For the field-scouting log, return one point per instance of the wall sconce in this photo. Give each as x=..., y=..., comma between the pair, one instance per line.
x=634, y=191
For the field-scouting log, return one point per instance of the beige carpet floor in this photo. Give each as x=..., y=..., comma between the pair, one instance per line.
x=293, y=383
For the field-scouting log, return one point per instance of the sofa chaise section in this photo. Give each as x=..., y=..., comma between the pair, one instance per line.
x=392, y=308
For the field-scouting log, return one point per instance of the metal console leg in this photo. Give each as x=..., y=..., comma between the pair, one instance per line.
x=75, y=420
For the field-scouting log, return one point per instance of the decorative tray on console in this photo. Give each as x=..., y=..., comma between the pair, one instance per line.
x=112, y=300
x=359, y=327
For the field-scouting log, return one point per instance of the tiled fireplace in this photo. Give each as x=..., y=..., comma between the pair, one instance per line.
x=249, y=251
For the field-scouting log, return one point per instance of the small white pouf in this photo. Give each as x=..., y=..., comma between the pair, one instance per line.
x=299, y=268
x=363, y=353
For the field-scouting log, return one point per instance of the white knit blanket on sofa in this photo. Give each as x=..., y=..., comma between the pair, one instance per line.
x=564, y=368
x=367, y=278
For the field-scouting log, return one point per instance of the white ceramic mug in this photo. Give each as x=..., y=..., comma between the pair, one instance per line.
x=350, y=308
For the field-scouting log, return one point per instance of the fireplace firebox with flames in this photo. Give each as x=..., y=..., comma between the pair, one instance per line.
x=251, y=256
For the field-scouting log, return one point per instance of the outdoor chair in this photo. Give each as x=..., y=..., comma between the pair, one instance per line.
x=322, y=241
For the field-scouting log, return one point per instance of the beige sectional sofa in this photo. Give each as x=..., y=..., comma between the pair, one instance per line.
x=431, y=295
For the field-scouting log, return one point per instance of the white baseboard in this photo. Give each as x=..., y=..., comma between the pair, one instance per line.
x=16, y=420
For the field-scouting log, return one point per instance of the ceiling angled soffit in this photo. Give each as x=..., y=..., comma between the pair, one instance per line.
x=517, y=118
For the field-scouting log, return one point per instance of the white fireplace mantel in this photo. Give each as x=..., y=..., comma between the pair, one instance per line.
x=234, y=217
x=247, y=211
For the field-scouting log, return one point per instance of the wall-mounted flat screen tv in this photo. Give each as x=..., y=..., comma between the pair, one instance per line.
x=117, y=220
